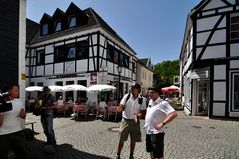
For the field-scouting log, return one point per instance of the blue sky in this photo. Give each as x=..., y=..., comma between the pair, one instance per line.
x=152, y=28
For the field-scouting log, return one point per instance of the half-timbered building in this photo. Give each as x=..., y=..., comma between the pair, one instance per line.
x=79, y=47
x=209, y=60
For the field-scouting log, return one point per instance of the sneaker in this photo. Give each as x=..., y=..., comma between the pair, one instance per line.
x=118, y=157
x=131, y=157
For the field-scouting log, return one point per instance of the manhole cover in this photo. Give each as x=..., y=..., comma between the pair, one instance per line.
x=114, y=129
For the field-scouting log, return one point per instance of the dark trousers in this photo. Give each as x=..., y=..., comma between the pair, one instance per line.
x=47, y=125
x=155, y=144
x=16, y=141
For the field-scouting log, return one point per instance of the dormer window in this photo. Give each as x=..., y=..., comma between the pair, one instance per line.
x=72, y=21
x=58, y=26
x=44, y=29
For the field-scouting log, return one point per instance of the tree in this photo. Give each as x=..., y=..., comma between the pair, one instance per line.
x=164, y=73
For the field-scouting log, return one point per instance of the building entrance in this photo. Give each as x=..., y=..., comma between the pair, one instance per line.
x=202, y=97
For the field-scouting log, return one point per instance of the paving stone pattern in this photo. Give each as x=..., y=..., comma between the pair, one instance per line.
x=186, y=138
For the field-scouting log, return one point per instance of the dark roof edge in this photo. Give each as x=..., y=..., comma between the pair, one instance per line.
x=109, y=29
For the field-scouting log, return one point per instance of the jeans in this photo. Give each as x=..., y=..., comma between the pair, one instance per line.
x=16, y=141
x=47, y=125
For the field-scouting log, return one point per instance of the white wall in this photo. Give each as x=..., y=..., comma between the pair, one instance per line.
x=218, y=109
x=219, y=93
x=220, y=72
x=21, y=48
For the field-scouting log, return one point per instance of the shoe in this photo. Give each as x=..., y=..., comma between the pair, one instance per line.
x=118, y=157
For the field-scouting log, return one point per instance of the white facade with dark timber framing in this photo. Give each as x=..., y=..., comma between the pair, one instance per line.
x=78, y=47
x=209, y=60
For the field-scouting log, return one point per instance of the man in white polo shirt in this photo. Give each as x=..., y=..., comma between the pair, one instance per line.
x=159, y=113
x=133, y=106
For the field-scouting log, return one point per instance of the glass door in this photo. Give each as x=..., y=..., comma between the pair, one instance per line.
x=202, y=97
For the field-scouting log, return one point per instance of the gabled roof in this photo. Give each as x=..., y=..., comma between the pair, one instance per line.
x=31, y=28
x=146, y=62
x=94, y=20
x=190, y=16
x=57, y=14
x=45, y=18
x=101, y=22
x=73, y=9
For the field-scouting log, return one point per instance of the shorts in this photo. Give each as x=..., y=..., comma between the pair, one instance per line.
x=129, y=127
x=155, y=144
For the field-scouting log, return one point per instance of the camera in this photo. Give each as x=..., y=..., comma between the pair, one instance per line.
x=4, y=105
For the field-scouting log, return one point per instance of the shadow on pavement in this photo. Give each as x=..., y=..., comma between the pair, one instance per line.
x=37, y=150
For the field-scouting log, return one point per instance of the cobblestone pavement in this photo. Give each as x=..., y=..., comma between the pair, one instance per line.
x=186, y=138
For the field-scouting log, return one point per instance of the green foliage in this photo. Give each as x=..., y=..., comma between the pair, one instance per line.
x=164, y=73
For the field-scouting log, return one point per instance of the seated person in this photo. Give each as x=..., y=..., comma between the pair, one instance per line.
x=60, y=101
x=78, y=101
x=102, y=105
x=70, y=101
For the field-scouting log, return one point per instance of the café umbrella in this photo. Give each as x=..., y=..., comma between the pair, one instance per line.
x=55, y=88
x=170, y=89
x=100, y=88
x=34, y=88
x=74, y=87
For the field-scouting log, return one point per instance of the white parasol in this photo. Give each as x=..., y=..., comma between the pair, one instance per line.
x=74, y=87
x=100, y=87
x=34, y=88
x=55, y=88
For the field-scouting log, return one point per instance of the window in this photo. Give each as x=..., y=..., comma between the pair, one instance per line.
x=110, y=53
x=234, y=26
x=121, y=59
x=71, y=52
x=40, y=57
x=116, y=56
x=59, y=54
x=235, y=92
x=44, y=29
x=134, y=67
x=126, y=61
x=72, y=21
x=58, y=26
x=83, y=49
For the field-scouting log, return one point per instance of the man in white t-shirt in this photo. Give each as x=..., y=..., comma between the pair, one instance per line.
x=133, y=106
x=158, y=114
x=11, y=133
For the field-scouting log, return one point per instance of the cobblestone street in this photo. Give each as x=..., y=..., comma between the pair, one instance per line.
x=186, y=138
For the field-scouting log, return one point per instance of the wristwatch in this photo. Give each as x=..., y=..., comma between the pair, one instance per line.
x=163, y=123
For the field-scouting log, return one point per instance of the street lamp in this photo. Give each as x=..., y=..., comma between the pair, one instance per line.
x=119, y=69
